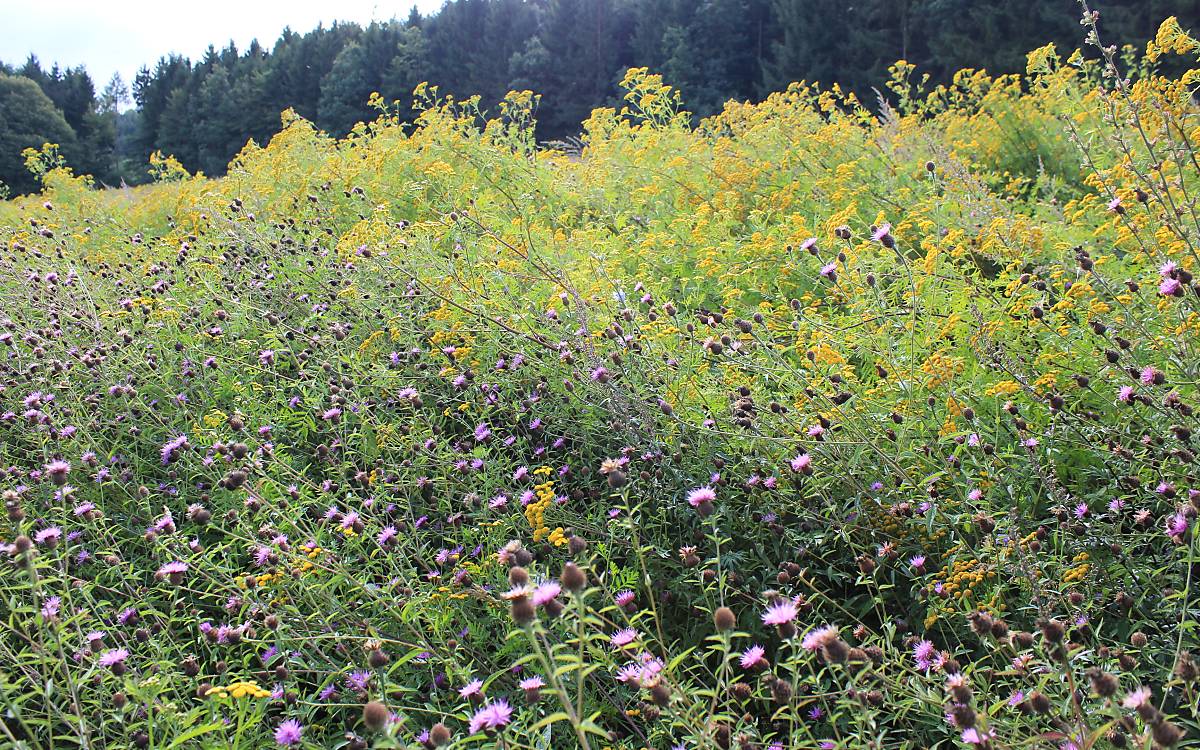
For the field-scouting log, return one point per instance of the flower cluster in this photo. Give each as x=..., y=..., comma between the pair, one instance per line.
x=801, y=426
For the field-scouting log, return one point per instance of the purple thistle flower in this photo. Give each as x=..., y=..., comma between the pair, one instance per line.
x=1177, y=526
x=753, y=657
x=1137, y=697
x=623, y=637
x=386, y=535
x=57, y=470
x=1170, y=288
x=815, y=640
x=780, y=613
x=546, y=593
x=472, y=689
x=48, y=536
x=495, y=715
x=113, y=656
x=173, y=571
x=171, y=447
x=701, y=496
x=50, y=607
x=973, y=736
x=923, y=654
x=358, y=680
x=288, y=733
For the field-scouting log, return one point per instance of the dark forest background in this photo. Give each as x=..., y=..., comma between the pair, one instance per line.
x=573, y=52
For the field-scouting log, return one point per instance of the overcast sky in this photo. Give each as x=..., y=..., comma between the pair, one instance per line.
x=122, y=35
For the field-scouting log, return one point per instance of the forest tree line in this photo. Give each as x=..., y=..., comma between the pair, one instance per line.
x=573, y=52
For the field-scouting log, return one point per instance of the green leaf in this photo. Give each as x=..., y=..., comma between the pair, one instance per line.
x=552, y=718
x=195, y=732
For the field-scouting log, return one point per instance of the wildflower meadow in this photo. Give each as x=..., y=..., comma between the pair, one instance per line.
x=817, y=423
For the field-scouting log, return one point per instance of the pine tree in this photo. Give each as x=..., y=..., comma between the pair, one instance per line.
x=345, y=91
x=407, y=69
x=588, y=45
x=152, y=92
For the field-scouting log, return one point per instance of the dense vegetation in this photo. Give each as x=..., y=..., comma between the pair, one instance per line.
x=798, y=427
x=572, y=52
